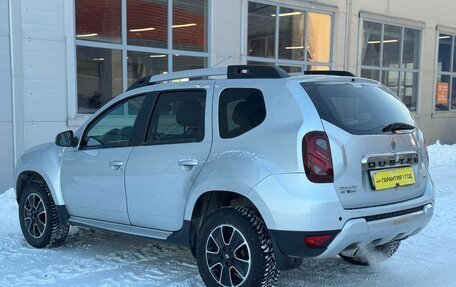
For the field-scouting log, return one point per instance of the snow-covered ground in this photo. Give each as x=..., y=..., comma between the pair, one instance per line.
x=97, y=258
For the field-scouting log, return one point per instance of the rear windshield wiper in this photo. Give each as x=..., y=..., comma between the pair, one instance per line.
x=397, y=126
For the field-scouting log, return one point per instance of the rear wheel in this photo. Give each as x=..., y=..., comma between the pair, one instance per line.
x=40, y=223
x=372, y=255
x=233, y=249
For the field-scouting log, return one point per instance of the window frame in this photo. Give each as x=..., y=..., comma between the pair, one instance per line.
x=138, y=126
x=403, y=24
x=276, y=61
x=148, y=121
x=451, y=73
x=74, y=117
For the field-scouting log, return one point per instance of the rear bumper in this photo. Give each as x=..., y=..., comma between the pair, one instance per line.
x=356, y=233
x=291, y=212
x=360, y=233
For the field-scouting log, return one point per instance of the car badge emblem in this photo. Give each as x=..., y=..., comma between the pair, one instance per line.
x=393, y=143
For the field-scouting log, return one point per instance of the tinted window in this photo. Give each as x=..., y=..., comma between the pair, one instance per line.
x=357, y=108
x=99, y=77
x=240, y=110
x=115, y=127
x=178, y=117
x=261, y=37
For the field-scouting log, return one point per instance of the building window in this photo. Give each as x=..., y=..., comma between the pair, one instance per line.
x=391, y=54
x=99, y=77
x=445, y=99
x=121, y=41
x=293, y=39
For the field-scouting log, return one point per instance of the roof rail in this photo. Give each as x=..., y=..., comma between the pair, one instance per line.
x=198, y=73
x=139, y=83
x=231, y=72
x=330, y=72
x=255, y=72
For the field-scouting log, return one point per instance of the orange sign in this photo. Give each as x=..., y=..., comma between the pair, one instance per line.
x=442, y=93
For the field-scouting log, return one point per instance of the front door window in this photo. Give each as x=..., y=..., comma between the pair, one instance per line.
x=115, y=127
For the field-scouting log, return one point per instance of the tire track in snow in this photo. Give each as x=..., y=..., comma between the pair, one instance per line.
x=134, y=261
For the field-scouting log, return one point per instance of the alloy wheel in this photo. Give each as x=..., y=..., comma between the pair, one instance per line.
x=35, y=215
x=228, y=255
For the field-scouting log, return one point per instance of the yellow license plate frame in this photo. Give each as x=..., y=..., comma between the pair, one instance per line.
x=389, y=178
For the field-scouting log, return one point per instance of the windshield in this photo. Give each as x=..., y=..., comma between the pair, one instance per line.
x=358, y=108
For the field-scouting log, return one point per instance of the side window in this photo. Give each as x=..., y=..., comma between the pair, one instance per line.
x=240, y=110
x=114, y=128
x=178, y=117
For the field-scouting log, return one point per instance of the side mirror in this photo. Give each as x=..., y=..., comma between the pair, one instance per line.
x=66, y=139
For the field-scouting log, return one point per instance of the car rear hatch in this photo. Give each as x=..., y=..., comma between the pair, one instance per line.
x=374, y=146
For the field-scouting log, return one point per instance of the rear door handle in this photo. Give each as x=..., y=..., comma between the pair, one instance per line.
x=187, y=162
x=116, y=164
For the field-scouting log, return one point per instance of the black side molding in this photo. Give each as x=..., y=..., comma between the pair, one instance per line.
x=255, y=72
x=331, y=73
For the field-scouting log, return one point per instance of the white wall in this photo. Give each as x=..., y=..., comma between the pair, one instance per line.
x=6, y=132
x=41, y=82
x=226, y=36
x=44, y=69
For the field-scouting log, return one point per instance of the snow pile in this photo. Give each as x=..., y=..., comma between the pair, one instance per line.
x=9, y=215
x=442, y=154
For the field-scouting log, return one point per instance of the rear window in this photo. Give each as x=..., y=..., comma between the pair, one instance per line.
x=358, y=108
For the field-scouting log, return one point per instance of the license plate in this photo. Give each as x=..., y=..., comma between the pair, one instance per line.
x=392, y=178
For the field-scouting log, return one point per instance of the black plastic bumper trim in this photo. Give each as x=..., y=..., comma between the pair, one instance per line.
x=291, y=243
x=393, y=214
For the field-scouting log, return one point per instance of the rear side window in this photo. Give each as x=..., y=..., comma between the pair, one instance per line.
x=358, y=108
x=240, y=110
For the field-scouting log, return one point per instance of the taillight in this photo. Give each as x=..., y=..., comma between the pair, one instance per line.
x=316, y=154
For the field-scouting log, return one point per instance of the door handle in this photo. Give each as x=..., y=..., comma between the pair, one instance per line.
x=187, y=162
x=116, y=164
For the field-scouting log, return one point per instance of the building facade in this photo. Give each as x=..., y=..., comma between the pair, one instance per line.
x=60, y=60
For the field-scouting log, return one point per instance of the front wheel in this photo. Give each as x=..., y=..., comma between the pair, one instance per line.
x=40, y=223
x=372, y=255
x=233, y=248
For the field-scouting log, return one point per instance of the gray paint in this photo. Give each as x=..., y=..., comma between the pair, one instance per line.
x=91, y=187
x=158, y=195
x=156, y=205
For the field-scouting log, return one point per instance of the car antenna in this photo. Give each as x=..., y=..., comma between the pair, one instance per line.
x=213, y=66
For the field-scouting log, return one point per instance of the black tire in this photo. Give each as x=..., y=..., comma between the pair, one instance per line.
x=40, y=223
x=373, y=255
x=248, y=249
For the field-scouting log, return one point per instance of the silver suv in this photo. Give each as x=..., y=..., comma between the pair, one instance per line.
x=249, y=167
